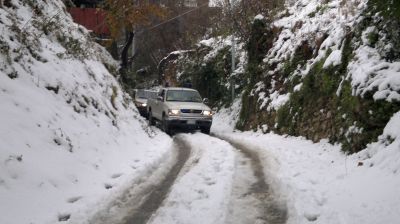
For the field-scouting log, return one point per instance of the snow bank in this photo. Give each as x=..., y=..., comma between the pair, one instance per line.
x=69, y=136
x=385, y=153
x=225, y=119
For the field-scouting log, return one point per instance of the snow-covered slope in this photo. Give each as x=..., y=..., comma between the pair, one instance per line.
x=330, y=72
x=69, y=137
x=320, y=26
x=330, y=21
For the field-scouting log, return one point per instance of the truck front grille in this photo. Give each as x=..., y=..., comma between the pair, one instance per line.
x=191, y=111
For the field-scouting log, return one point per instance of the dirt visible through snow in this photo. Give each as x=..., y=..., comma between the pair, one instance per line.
x=159, y=192
x=251, y=191
x=248, y=200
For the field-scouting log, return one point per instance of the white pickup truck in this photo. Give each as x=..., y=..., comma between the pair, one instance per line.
x=179, y=108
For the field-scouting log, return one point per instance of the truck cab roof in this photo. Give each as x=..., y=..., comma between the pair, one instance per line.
x=179, y=88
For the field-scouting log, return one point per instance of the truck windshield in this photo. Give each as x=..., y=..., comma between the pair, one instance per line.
x=183, y=96
x=145, y=94
x=151, y=94
x=141, y=94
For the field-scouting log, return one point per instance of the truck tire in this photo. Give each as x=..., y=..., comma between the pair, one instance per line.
x=165, y=126
x=205, y=130
x=151, y=119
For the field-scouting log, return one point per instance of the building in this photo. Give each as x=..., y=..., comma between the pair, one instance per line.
x=88, y=14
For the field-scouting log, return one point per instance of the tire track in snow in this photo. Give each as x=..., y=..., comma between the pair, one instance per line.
x=252, y=199
x=249, y=200
x=202, y=191
x=144, y=195
x=160, y=191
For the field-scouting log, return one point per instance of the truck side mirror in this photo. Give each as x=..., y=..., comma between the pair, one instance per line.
x=206, y=101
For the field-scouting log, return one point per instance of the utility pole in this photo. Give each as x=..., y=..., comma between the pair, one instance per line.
x=232, y=83
x=233, y=68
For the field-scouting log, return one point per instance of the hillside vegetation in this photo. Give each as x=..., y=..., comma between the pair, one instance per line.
x=319, y=69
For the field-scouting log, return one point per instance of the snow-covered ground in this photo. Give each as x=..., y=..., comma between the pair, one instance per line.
x=200, y=195
x=70, y=139
x=319, y=183
x=316, y=181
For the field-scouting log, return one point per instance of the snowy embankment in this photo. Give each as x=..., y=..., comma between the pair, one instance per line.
x=70, y=139
x=323, y=25
x=320, y=183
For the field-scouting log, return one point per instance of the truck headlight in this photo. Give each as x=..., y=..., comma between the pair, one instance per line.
x=207, y=113
x=173, y=112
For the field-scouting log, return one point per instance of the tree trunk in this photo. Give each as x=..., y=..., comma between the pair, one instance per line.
x=123, y=70
x=125, y=50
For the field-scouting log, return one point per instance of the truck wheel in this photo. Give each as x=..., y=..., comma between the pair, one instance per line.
x=165, y=126
x=205, y=130
x=151, y=119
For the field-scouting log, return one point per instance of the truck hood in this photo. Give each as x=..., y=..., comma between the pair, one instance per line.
x=187, y=105
x=140, y=100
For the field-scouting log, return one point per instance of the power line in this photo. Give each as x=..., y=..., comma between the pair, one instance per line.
x=104, y=21
x=173, y=18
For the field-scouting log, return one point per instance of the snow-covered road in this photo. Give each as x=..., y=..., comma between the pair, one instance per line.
x=251, y=190
x=204, y=180
x=250, y=177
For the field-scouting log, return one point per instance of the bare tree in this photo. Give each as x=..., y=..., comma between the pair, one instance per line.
x=126, y=16
x=240, y=14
